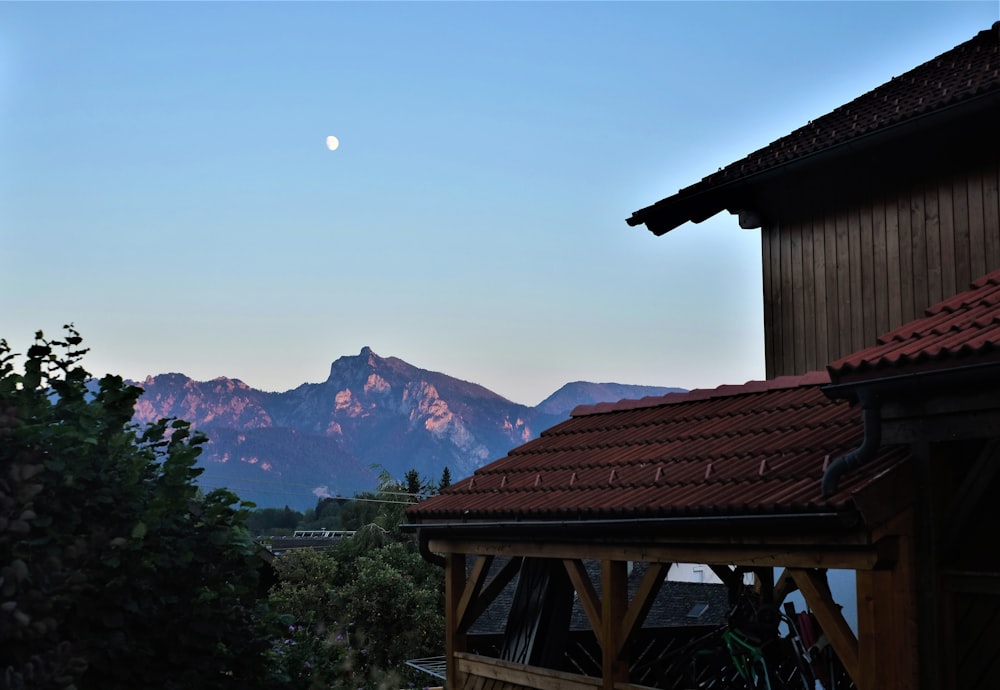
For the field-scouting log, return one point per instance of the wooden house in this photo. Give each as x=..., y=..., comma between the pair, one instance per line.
x=873, y=446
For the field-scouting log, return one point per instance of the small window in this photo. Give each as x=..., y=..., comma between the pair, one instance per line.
x=697, y=610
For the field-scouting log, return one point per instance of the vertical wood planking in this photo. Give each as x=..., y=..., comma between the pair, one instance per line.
x=795, y=281
x=868, y=308
x=808, y=287
x=932, y=235
x=991, y=216
x=832, y=292
x=843, y=270
x=834, y=282
x=881, y=268
x=946, y=227
x=788, y=299
x=977, y=230
x=905, y=258
x=892, y=254
x=818, y=279
x=765, y=264
x=772, y=314
x=858, y=297
x=960, y=206
x=918, y=245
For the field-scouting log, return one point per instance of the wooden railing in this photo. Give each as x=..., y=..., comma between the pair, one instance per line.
x=482, y=673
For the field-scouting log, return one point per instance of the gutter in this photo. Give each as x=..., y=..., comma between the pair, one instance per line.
x=790, y=523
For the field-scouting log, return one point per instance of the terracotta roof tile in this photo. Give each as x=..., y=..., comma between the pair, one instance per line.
x=962, y=329
x=759, y=448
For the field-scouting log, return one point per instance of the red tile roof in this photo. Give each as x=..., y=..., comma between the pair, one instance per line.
x=963, y=329
x=756, y=449
x=964, y=73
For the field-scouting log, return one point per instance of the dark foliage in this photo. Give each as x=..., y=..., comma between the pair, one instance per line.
x=115, y=571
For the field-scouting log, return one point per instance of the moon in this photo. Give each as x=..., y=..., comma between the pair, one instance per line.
x=332, y=142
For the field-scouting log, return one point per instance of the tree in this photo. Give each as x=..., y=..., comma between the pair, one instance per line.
x=445, y=479
x=359, y=614
x=363, y=608
x=117, y=572
x=272, y=521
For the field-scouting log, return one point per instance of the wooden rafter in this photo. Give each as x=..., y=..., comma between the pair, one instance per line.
x=480, y=598
x=473, y=585
x=652, y=581
x=730, y=578
x=783, y=586
x=814, y=588
x=584, y=591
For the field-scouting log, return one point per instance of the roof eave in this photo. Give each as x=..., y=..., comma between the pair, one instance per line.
x=700, y=201
x=785, y=524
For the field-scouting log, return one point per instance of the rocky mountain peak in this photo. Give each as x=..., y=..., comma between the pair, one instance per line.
x=356, y=368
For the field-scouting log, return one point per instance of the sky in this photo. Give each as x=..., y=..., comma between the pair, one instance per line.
x=165, y=183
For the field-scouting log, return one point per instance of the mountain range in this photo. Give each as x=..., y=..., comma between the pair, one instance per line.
x=372, y=414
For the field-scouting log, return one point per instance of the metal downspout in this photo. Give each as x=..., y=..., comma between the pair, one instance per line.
x=872, y=418
x=432, y=558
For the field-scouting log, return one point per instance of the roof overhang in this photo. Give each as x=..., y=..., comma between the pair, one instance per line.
x=857, y=164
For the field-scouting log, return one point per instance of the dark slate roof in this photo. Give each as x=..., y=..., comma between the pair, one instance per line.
x=670, y=609
x=756, y=449
x=967, y=72
x=963, y=329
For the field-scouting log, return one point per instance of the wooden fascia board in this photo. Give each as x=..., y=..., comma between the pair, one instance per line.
x=585, y=591
x=812, y=584
x=846, y=556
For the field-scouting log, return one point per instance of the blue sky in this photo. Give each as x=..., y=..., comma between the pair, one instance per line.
x=165, y=184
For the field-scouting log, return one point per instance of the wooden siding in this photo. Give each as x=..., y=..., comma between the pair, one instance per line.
x=836, y=281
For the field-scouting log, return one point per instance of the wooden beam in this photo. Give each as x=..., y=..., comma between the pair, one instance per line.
x=816, y=592
x=847, y=557
x=524, y=676
x=730, y=578
x=614, y=603
x=585, y=591
x=784, y=586
x=473, y=585
x=490, y=591
x=455, y=641
x=652, y=581
x=764, y=583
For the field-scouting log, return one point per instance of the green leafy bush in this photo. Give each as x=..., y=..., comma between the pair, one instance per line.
x=115, y=571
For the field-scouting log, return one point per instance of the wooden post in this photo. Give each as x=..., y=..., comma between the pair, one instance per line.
x=455, y=641
x=887, y=649
x=614, y=604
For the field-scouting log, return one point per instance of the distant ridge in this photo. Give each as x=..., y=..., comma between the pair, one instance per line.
x=371, y=413
x=577, y=393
